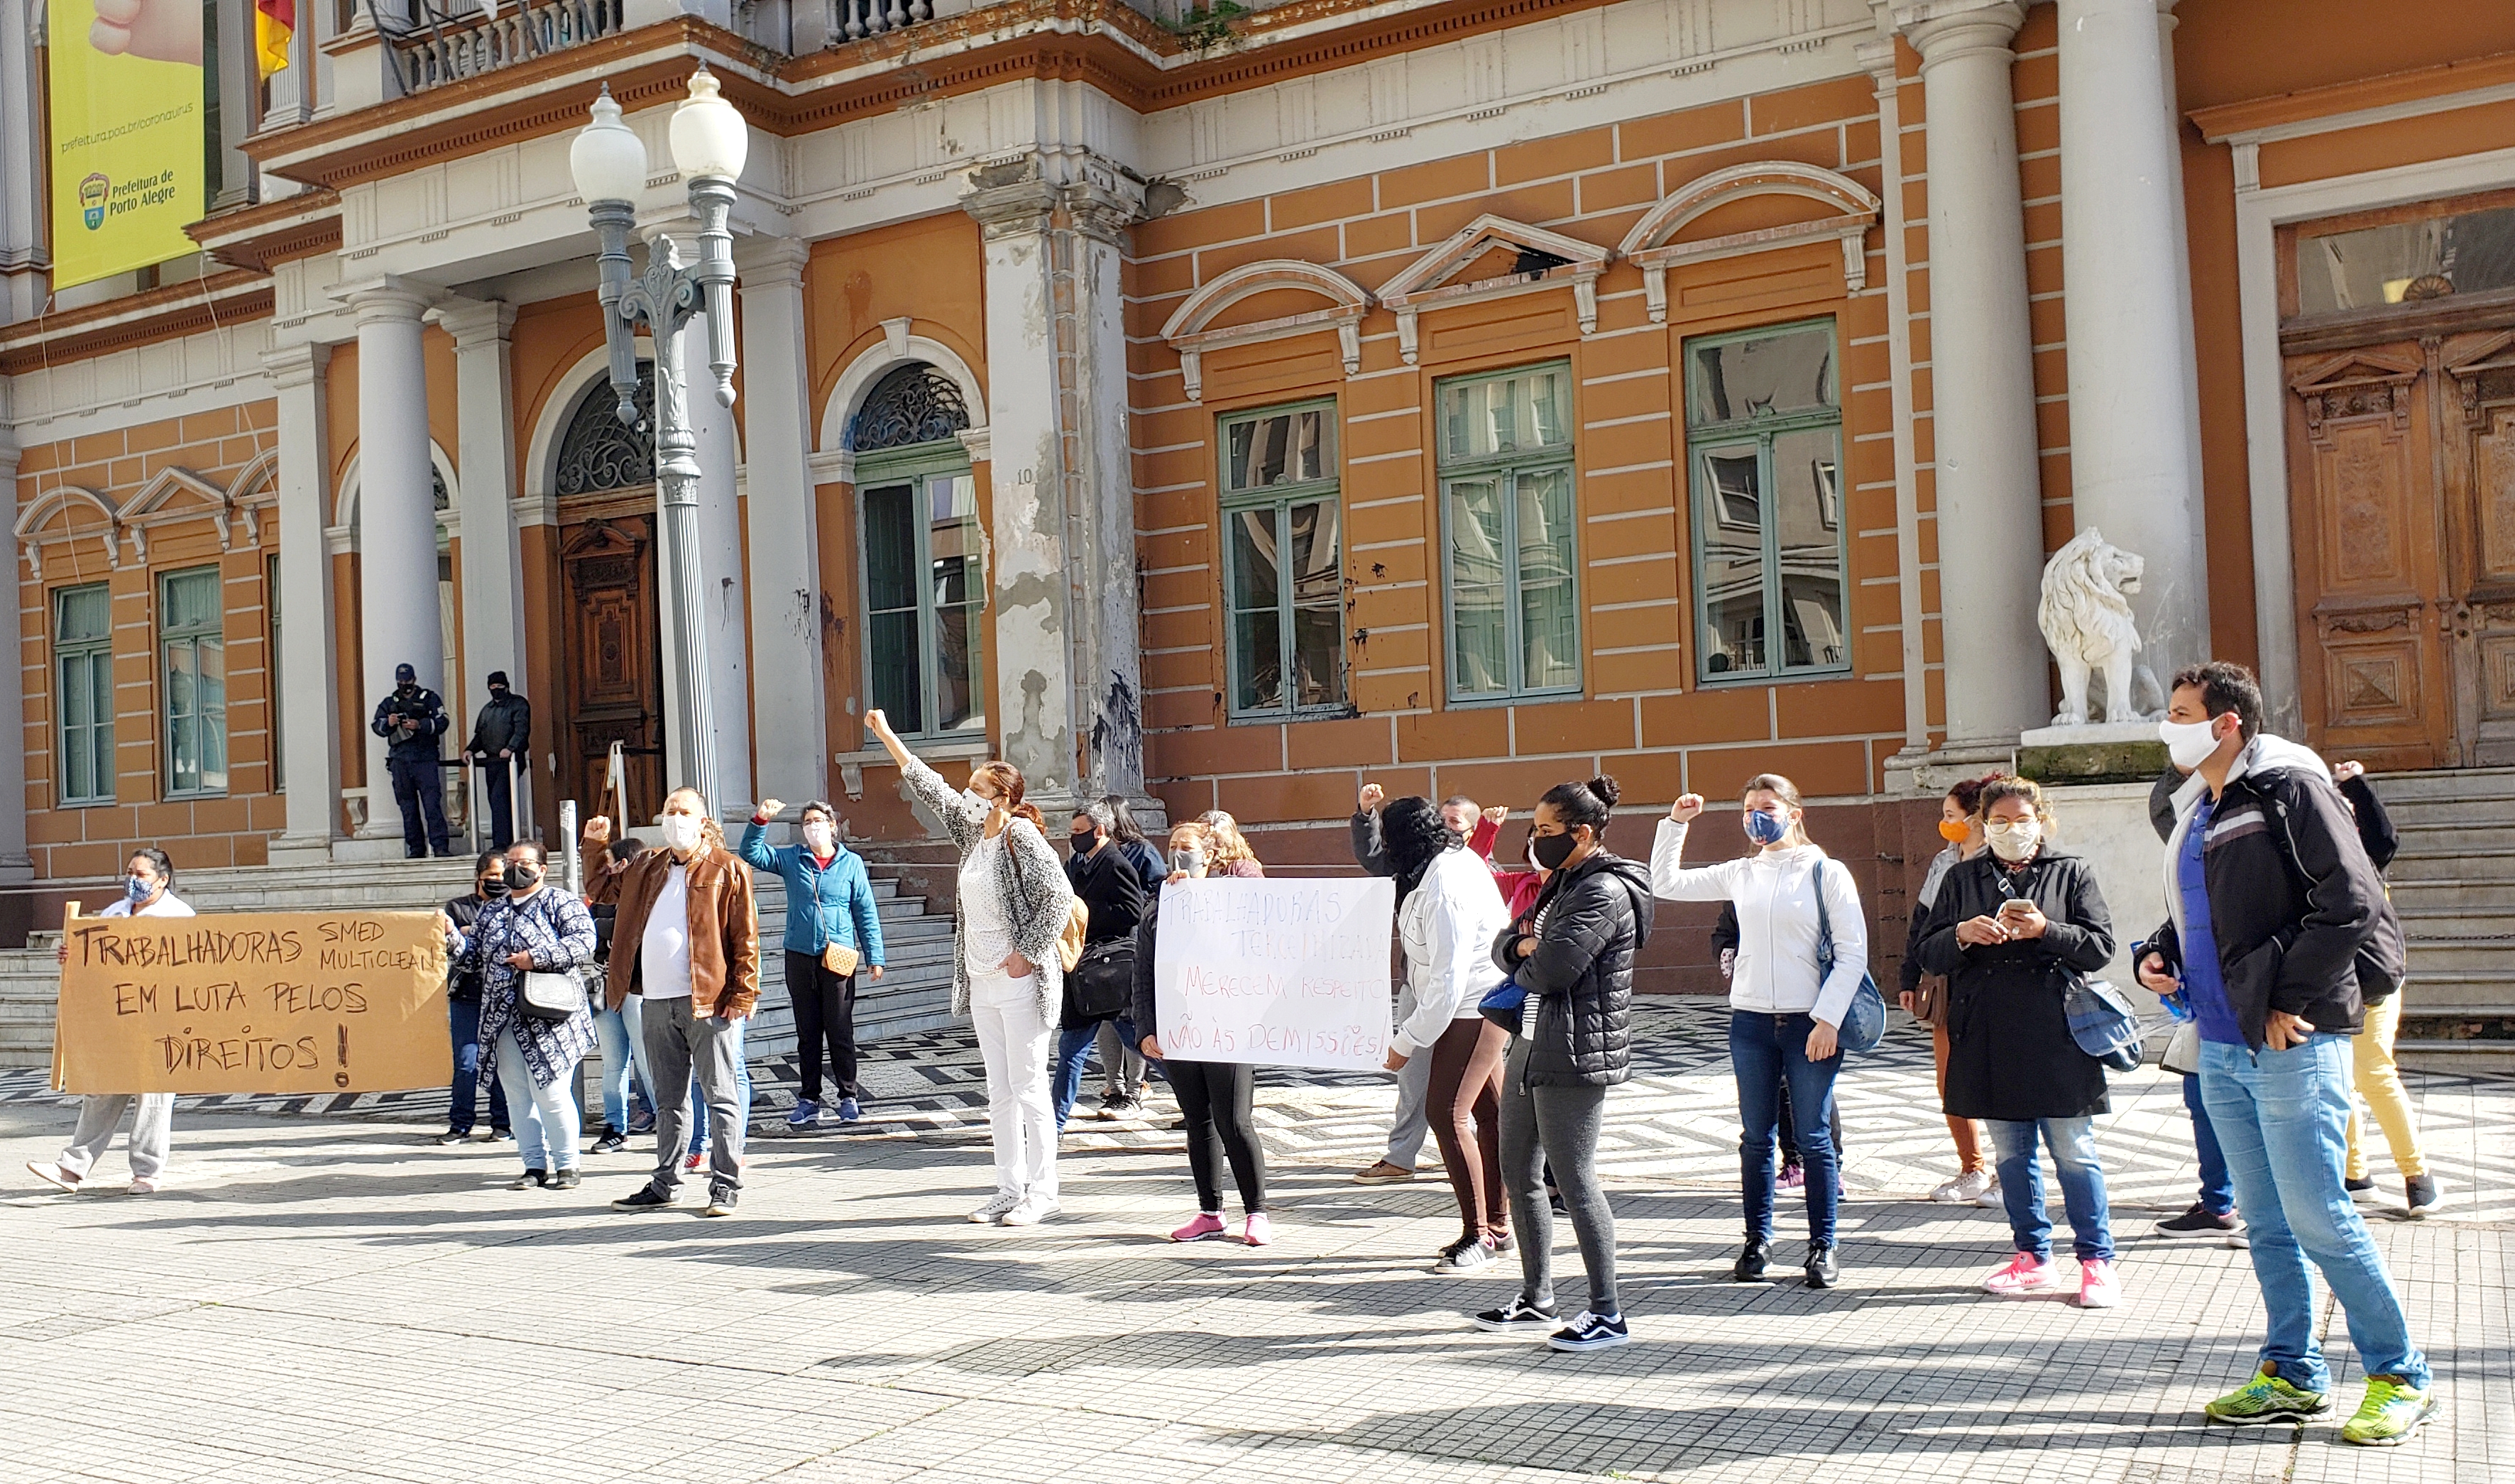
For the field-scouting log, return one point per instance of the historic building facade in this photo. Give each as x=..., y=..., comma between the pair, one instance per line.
x=1461, y=395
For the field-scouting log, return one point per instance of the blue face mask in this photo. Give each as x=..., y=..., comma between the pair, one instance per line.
x=1767, y=826
x=138, y=890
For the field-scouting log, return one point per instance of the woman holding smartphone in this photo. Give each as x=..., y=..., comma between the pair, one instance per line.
x=2012, y=929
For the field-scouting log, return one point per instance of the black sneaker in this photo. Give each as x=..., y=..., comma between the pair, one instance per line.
x=2202, y=1223
x=1467, y=1254
x=1518, y=1314
x=566, y=1180
x=1591, y=1331
x=647, y=1198
x=2422, y=1193
x=1749, y=1266
x=2361, y=1191
x=611, y=1141
x=455, y=1136
x=721, y=1203
x=1821, y=1269
x=530, y=1179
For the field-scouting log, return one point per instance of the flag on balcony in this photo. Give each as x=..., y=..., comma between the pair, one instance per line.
x=273, y=23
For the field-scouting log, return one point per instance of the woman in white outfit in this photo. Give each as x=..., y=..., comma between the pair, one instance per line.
x=1006, y=974
x=148, y=890
x=1783, y=1013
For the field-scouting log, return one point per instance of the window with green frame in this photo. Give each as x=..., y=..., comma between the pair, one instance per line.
x=83, y=693
x=924, y=593
x=192, y=657
x=1283, y=561
x=1763, y=439
x=1507, y=513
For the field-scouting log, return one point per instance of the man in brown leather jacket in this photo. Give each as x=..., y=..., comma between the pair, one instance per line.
x=687, y=940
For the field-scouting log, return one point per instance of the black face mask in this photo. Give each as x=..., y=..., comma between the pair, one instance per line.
x=1551, y=852
x=1082, y=841
x=493, y=885
x=497, y=692
x=521, y=878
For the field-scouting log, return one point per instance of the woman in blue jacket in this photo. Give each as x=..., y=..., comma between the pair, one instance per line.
x=829, y=904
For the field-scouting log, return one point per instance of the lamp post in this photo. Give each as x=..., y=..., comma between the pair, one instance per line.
x=710, y=141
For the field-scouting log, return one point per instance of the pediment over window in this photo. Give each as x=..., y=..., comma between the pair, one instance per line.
x=176, y=495
x=1494, y=258
x=1693, y=226
x=65, y=513
x=2357, y=383
x=1280, y=285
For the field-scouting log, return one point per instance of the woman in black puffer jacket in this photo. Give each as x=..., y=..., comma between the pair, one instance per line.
x=1574, y=956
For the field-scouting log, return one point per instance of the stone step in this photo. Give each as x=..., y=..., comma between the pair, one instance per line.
x=2463, y=895
x=2436, y=990
x=2460, y=1058
x=2486, y=862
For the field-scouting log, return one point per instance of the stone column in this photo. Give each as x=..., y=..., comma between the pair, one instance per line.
x=1982, y=374
x=789, y=699
x=2134, y=392
x=1061, y=572
x=399, y=622
x=308, y=731
x=728, y=644
x=493, y=574
x=15, y=864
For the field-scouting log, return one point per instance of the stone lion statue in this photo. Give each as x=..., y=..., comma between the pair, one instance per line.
x=2085, y=617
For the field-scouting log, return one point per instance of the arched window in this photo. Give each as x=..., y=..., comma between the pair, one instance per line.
x=913, y=404
x=600, y=451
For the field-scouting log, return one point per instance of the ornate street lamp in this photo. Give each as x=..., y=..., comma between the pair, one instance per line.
x=710, y=141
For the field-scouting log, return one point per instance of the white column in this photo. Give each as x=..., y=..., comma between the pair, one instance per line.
x=493, y=577
x=728, y=647
x=1982, y=374
x=789, y=703
x=2134, y=391
x=399, y=622
x=1108, y=659
x=308, y=732
x=15, y=864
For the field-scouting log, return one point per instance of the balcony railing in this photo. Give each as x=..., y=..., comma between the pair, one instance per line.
x=432, y=53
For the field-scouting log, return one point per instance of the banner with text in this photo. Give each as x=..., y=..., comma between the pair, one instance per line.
x=129, y=169
x=259, y=1002
x=1274, y=970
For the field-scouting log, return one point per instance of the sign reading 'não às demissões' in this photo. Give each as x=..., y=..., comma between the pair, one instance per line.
x=266, y=1001
x=1274, y=970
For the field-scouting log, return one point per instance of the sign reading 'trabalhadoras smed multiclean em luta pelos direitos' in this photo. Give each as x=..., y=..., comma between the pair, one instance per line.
x=262, y=1002
x=1277, y=972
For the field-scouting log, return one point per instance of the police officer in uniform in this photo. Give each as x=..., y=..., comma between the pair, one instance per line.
x=412, y=719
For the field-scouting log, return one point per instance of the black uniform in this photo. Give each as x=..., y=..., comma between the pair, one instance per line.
x=417, y=781
x=504, y=726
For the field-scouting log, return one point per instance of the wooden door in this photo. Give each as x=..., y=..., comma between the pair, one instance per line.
x=2367, y=522
x=2478, y=618
x=614, y=661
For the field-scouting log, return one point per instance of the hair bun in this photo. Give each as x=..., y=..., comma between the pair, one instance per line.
x=1604, y=786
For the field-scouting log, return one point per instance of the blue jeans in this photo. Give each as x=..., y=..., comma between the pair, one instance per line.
x=545, y=1118
x=698, y=1098
x=1073, y=1049
x=611, y=1039
x=462, y=1020
x=633, y=1019
x=2073, y=1142
x=2217, y=1192
x=1765, y=1050
x=2282, y=1118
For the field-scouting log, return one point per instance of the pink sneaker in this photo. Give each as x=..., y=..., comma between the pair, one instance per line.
x=1791, y=1177
x=1204, y=1228
x=1256, y=1232
x=2023, y=1275
x=2099, y=1286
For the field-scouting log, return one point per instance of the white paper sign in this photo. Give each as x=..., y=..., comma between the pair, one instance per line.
x=1278, y=971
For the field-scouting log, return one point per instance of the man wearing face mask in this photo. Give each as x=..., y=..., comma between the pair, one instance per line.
x=501, y=732
x=833, y=934
x=411, y=720
x=463, y=1012
x=1114, y=895
x=2276, y=935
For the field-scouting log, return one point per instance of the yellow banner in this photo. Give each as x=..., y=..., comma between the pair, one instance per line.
x=128, y=170
x=253, y=1002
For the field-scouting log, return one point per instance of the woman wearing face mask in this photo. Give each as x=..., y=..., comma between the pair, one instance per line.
x=148, y=891
x=1961, y=826
x=1215, y=1097
x=2012, y=929
x=829, y=905
x=1005, y=974
x=463, y=1012
x=530, y=930
x=1784, y=1009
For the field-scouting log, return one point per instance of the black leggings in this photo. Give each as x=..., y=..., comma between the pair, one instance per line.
x=1215, y=1097
x=825, y=1010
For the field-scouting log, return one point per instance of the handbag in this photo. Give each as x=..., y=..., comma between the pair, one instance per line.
x=1864, y=1024
x=1930, y=999
x=2182, y=1053
x=1506, y=1003
x=2102, y=1022
x=1102, y=982
x=548, y=996
x=839, y=958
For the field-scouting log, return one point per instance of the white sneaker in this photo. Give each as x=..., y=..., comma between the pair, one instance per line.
x=54, y=1174
x=995, y=1211
x=1991, y=1198
x=1964, y=1189
x=1030, y=1211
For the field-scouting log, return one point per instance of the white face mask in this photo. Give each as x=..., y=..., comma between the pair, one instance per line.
x=819, y=838
x=977, y=800
x=681, y=831
x=2013, y=839
x=2188, y=743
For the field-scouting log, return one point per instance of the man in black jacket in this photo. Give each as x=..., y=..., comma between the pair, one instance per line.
x=411, y=720
x=1115, y=897
x=503, y=731
x=2277, y=928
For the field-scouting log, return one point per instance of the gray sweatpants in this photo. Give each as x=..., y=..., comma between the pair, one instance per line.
x=1413, y=1084
x=1558, y=1127
x=1121, y=1066
x=678, y=1043
x=99, y=1113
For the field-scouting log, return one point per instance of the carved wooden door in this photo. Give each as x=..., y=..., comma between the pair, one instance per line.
x=2368, y=522
x=614, y=662
x=2478, y=618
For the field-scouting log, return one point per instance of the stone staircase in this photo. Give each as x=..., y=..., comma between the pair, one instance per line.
x=914, y=995
x=2453, y=884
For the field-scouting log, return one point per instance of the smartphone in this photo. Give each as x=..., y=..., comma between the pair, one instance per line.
x=2017, y=904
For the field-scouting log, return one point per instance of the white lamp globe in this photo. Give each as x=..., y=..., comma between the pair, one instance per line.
x=606, y=157
x=709, y=136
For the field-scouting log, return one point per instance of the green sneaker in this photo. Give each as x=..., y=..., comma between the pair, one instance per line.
x=2265, y=1399
x=2389, y=1416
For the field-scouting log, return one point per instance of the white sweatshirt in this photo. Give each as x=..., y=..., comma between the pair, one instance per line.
x=1775, y=892
x=1448, y=929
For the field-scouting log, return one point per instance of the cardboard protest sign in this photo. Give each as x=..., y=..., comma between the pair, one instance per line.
x=263, y=1002
x=1274, y=970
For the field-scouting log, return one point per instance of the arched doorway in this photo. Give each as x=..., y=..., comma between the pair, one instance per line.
x=611, y=660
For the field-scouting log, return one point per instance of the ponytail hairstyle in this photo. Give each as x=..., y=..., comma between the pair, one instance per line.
x=1591, y=803
x=1785, y=791
x=1415, y=835
x=1224, y=832
x=1968, y=793
x=1996, y=789
x=1007, y=780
